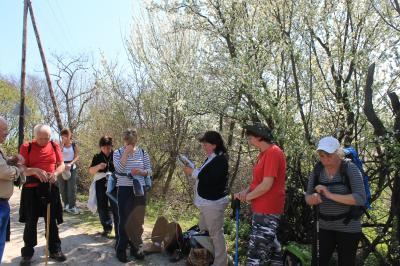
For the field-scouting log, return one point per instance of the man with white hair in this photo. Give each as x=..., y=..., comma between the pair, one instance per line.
x=44, y=161
x=10, y=171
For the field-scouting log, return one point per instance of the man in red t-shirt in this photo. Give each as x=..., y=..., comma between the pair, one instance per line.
x=43, y=159
x=267, y=196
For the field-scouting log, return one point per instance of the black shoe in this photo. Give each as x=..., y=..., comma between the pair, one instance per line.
x=106, y=233
x=25, y=261
x=121, y=256
x=58, y=256
x=137, y=252
x=176, y=256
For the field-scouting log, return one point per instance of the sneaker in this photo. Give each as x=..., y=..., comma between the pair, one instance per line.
x=25, y=261
x=137, y=252
x=58, y=256
x=121, y=256
x=73, y=210
x=66, y=207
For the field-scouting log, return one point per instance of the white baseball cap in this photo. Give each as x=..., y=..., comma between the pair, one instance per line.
x=328, y=144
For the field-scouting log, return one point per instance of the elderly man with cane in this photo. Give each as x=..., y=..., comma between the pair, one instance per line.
x=10, y=171
x=40, y=196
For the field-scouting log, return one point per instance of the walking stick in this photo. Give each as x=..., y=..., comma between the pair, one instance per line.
x=48, y=227
x=236, y=209
x=315, y=249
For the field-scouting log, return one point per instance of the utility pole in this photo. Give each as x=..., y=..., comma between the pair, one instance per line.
x=46, y=71
x=21, y=124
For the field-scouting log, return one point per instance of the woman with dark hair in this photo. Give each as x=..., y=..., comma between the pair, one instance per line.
x=211, y=192
x=102, y=163
x=266, y=194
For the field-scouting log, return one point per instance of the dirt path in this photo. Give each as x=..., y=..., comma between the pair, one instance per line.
x=82, y=246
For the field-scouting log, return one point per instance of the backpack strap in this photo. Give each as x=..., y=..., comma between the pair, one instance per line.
x=52, y=144
x=344, y=166
x=317, y=173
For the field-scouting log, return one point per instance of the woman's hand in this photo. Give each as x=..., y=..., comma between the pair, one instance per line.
x=187, y=170
x=129, y=149
x=137, y=171
x=323, y=190
x=314, y=199
x=241, y=195
x=102, y=166
x=67, y=167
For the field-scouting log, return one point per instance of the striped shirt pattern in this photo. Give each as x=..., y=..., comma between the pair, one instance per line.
x=330, y=207
x=139, y=159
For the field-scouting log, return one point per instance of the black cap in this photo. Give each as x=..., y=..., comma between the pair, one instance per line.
x=212, y=137
x=260, y=130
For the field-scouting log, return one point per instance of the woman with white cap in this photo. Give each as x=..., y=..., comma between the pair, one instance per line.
x=337, y=187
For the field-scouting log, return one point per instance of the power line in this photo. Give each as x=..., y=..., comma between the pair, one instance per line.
x=62, y=32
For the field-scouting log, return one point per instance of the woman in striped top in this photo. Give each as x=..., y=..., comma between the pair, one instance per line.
x=335, y=200
x=132, y=166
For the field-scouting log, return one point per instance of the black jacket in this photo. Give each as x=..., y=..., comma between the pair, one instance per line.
x=213, y=179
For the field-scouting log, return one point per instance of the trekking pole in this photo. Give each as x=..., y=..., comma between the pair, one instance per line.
x=236, y=208
x=48, y=227
x=315, y=249
x=317, y=231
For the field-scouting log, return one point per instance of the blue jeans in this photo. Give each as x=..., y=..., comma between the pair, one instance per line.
x=4, y=217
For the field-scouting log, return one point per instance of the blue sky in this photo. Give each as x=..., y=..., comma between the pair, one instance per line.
x=66, y=27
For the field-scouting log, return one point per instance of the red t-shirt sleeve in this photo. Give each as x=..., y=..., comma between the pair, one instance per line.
x=23, y=150
x=271, y=168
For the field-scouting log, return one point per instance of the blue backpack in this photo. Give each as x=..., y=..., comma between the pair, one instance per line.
x=351, y=154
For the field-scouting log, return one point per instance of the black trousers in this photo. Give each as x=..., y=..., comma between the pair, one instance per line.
x=37, y=209
x=103, y=206
x=345, y=244
x=131, y=211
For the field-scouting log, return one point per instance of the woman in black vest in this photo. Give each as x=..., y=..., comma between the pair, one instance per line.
x=211, y=192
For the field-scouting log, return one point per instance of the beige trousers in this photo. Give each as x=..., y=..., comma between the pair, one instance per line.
x=212, y=220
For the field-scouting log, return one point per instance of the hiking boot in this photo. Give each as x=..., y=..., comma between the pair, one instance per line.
x=154, y=248
x=66, y=207
x=137, y=252
x=73, y=210
x=26, y=261
x=121, y=256
x=58, y=256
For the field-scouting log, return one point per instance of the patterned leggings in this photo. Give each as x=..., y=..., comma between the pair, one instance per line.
x=264, y=248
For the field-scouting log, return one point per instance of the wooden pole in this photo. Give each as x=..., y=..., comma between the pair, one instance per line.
x=48, y=217
x=23, y=75
x=46, y=71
